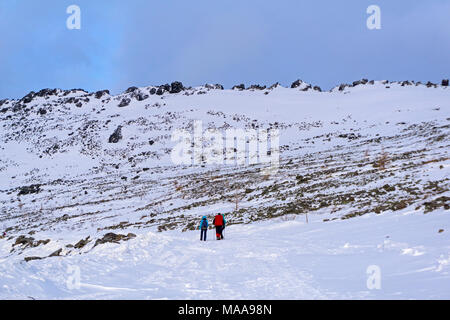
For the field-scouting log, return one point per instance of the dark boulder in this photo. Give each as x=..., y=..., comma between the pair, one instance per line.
x=32, y=258
x=166, y=87
x=275, y=85
x=24, y=241
x=445, y=83
x=152, y=91
x=306, y=88
x=57, y=253
x=28, y=98
x=141, y=97
x=358, y=82
x=214, y=86
x=131, y=89
x=80, y=244
x=17, y=107
x=71, y=100
x=100, y=94
x=160, y=91
x=257, y=87
x=405, y=83
x=176, y=87
x=42, y=111
x=114, y=238
x=34, y=188
x=296, y=84
x=47, y=92
x=125, y=102
x=116, y=136
x=239, y=87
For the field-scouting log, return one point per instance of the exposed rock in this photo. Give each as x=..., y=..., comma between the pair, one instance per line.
x=28, y=98
x=114, y=238
x=47, y=92
x=350, y=136
x=296, y=84
x=116, y=136
x=406, y=83
x=80, y=244
x=24, y=241
x=131, y=89
x=17, y=107
x=214, y=86
x=306, y=88
x=176, y=87
x=437, y=203
x=160, y=91
x=57, y=253
x=141, y=97
x=39, y=242
x=257, y=87
x=42, y=111
x=165, y=87
x=32, y=258
x=444, y=83
x=358, y=82
x=29, y=242
x=125, y=102
x=100, y=94
x=34, y=188
x=317, y=88
x=152, y=91
x=275, y=85
x=239, y=87
x=71, y=100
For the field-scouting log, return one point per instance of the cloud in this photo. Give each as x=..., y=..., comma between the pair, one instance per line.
x=152, y=42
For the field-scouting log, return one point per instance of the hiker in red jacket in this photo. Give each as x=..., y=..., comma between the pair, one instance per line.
x=219, y=222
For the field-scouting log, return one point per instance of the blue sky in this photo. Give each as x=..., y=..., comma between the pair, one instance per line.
x=137, y=42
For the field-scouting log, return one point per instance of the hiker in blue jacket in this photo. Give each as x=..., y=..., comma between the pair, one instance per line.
x=203, y=228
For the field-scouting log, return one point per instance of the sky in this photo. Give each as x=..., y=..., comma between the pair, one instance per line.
x=145, y=42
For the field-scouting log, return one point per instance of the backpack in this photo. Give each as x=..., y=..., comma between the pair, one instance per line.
x=204, y=224
x=218, y=220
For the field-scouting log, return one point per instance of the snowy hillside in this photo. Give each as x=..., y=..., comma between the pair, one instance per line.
x=87, y=183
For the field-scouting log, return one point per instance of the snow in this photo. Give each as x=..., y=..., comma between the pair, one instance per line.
x=91, y=187
x=266, y=260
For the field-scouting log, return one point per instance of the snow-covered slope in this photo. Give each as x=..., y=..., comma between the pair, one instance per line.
x=279, y=259
x=375, y=152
